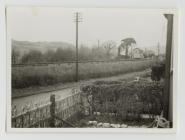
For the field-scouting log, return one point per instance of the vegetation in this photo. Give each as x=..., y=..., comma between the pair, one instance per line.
x=26, y=55
x=55, y=52
x=127, y=100
x=108, y=46
x=126, y=43
x=29, y=76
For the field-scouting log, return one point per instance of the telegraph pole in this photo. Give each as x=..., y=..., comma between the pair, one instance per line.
x=158, y=49
x=131, y=51
x=77, y=19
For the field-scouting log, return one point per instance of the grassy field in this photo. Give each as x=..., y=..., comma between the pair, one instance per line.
x=30, y=76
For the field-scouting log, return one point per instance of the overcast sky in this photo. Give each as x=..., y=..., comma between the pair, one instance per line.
x=148, y=27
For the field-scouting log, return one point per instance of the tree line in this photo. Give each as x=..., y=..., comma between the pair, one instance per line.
x=101, y=52
x=105, y=51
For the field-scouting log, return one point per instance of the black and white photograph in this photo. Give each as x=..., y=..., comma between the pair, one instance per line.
x=91, y=68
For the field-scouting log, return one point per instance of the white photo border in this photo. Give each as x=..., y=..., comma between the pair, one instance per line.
x=99, y=130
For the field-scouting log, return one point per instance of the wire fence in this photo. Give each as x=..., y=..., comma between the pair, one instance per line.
x=72, y=62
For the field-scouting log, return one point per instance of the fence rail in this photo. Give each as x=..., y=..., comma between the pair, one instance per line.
x=71, y=62
x=53, y=114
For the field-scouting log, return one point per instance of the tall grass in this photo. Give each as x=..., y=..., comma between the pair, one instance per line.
x=29, y=76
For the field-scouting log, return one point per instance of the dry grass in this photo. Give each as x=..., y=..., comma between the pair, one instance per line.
x=29, y=76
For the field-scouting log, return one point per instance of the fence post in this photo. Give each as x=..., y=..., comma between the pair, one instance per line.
x=167, y=93
x=14, y=123
x=52, y=111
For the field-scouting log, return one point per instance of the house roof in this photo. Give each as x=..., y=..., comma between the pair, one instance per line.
x=140, y=51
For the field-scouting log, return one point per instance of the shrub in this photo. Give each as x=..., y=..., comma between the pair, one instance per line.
x=128, y=99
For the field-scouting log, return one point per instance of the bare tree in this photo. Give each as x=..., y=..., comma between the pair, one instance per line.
x=108, y=46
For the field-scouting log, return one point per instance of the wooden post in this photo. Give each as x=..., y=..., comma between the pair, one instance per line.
x=52, y=111
x=14, y=122
x=169, y=18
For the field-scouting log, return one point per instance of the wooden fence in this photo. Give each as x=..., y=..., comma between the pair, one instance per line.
x=53, y=114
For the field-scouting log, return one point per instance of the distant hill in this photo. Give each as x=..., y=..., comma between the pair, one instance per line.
x=25, y=46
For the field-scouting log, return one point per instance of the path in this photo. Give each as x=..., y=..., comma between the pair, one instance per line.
x=65, y=91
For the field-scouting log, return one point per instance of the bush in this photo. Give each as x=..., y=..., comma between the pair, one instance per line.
x=128, y=100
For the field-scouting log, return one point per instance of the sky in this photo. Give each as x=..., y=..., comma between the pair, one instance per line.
x=148, y=27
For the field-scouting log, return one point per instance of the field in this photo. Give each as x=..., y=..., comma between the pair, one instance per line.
x=31, y=76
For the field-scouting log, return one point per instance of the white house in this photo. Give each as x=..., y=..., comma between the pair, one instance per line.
x=137, y=53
